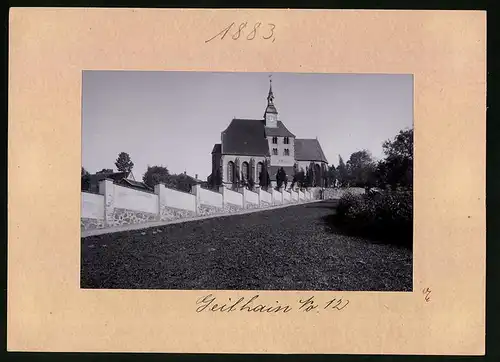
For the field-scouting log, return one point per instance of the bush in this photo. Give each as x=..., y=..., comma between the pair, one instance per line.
x=385, y=216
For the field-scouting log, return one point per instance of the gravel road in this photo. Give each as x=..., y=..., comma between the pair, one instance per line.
x=290, y=248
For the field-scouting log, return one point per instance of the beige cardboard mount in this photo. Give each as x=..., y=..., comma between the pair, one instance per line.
x=49, y=48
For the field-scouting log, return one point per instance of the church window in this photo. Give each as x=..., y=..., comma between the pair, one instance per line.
x=275, y=151
x=286, y=140
x=286, y=152
x=275, y=140
x=244, y=170
x=230, y=171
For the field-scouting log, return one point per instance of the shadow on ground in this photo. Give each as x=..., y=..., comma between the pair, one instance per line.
x=283, y=249
x=373, y=234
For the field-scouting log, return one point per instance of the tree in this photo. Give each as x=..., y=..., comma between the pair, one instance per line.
x=298, y=178
x=361, y=168
x=308, y=180
x=124, y=163
x=104, y=170
x=85, y=186
x=401, y=145
x=396, y=170
x=156, y=174
x=182, y=182
x=331, y=175
x=280, y=178
x=264, y=179
x=342, y=174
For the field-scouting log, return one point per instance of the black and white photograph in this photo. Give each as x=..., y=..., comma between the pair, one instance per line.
x=246, y=181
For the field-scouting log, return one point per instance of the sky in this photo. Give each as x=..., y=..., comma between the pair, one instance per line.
x=174, y=119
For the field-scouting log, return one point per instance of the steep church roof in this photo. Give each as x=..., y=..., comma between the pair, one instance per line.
x=245, y=137
x=309, y=150
x=279, y=131
x=216, y=148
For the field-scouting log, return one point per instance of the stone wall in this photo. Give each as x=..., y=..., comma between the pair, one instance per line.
x=106, y=209
x=91, y=224
x=206, y=210
x=171, y=213
x=127, y=216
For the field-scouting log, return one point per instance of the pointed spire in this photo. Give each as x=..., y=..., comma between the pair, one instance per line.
x=270, y=96
x=271, y=114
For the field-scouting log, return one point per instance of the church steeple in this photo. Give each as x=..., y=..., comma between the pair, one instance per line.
x=271, y=114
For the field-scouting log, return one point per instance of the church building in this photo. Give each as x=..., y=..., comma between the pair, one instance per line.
x=249, y=145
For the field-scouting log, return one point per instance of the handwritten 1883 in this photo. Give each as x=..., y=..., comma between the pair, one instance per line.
x=243, y=31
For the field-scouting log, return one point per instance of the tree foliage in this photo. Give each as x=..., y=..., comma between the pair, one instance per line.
x=264, y=179
x=396, y=170
x=280, y=178
x=361, y=169
x=123, y=163
x=308, y=180
x=342, y=173
x=160, y=174
x=85, y=186
x=157, y=174
x=330, y=176
x=298, y=178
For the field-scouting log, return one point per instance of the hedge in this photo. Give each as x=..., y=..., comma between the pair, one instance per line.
x=386, y=216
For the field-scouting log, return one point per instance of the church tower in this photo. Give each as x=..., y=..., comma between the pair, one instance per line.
x=271, y=114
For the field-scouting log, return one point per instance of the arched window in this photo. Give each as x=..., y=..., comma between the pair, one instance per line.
x=230, y=171
x=245, y=170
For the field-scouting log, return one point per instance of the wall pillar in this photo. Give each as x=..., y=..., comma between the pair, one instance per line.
x=245, y=191
x=195, y=190
x=258, y=193
x=107, y=189
x=222, y=190
x=160, y=191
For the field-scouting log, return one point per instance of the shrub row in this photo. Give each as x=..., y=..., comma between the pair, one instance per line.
x=385, y=216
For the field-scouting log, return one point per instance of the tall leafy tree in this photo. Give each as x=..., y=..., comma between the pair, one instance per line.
x=361, y=168
x=396, y=170
x=156, y=174
x=124, y=163
x=182, y=182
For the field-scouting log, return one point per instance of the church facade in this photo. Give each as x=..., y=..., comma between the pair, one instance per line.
x=249, y=145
